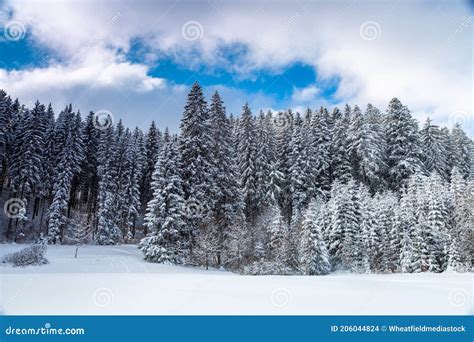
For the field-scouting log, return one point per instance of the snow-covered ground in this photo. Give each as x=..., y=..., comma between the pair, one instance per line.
x=115, y=280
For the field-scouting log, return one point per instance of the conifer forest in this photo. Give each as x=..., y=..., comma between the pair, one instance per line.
x=358, y=189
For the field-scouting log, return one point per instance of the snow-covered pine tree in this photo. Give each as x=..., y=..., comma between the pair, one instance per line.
x=5, y=131
x=89, y=178
x=386, y=205
x=344, y=232
x=432, y=144
x=370, y=237
x=75, y=126
x=135, y=161
x=437, y=235
x=263, y=158
x=366, y=148
x=62, y=188
x=279, y=240
x=29, y=152
x=247, y=153
x=197, y=164
x=48, y=155
x=312, y=251
x=319, y=140
x=274, y=186
x=283, y=123
x=164, y=217
x=299, y=180
x=462, y=151
x=408, y=247
x=460, y=240
x=122, y=162
x=229, y=205
x=403, y=146
x=108, y=233
x=340, y=163
x=152, y=147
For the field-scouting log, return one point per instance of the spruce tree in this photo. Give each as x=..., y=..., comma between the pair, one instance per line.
x=432, y=143
x=319, y=139
x=228, y=202
x=247, y=154
x=164, y=214
x=108, y=232
x=197, y=164
x=341, y=164
x=403, y=145
x=152, y=147
x=462, y=151
x=313, y=254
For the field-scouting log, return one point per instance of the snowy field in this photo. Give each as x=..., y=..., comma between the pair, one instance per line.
x=115, y=280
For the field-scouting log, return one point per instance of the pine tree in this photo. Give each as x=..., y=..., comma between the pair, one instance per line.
x=386, y=205
x=5, y=131
x=164, y=214
x=313, y=254
x=462, y=147
x=436, y=221
x=319, y=139
x=108, y=232
x=298, y=178
x=135, y=161
x=62, y=188
x=197, y=164
x=341, y=164
x=247, y=153
x=407, y=237
x=344, y=232
x=228, y=202
x=263, y=158
x=461, y=242
x=48, y=155
x=152, y=147
x=432, y=144
x=274, y=186
x=279, y=239
x=89, y=170
x=403, y=146
x=29, y=152
x=370, y=237
x=366, y=148
x=284, y=133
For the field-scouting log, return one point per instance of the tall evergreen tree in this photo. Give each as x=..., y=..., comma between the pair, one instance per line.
x=152, y=147
x=164, y=214
x=247, y=154
x=228, y=202
x=313, y=254
x=320, y=154
x=341, y=164
x=403, y=146
x=462, y=155
x=108, y=232
x=432, y=144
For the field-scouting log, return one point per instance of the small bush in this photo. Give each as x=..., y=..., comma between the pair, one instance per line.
x=32, y=255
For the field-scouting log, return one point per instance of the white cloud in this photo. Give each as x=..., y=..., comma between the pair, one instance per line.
x=422, y=53
x=58, y=77
x=305, y=94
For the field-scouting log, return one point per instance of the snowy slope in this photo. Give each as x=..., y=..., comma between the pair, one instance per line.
x=115, y=280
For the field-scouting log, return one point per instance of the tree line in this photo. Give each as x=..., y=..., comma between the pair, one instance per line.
x=272, y=193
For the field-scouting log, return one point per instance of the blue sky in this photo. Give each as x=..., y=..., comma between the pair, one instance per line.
x=138, y=59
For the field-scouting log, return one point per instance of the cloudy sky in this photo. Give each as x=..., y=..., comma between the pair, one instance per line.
x=138, y=59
